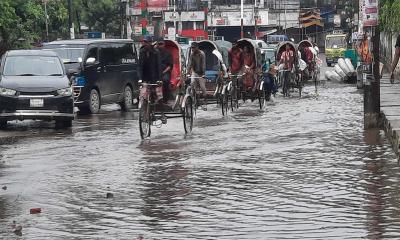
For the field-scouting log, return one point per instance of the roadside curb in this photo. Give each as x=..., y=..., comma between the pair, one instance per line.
x=392, y=133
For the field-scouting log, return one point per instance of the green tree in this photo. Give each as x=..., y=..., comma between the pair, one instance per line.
x=101, y=15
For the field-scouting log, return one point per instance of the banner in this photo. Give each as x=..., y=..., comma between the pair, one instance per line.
x=370, y=13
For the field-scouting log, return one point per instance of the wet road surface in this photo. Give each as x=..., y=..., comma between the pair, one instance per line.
x=303, y=169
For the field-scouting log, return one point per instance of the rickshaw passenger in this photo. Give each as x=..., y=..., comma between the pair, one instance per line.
x=287, y=59
x=236, y=59
x=197, y=68
x=166, y=68
x=249, y=62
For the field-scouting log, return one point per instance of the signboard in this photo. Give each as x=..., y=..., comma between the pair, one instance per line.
x=157, y=5
x=171, y=33
x=196, y=16
x=136, y=11
x=150, y=30
x=137, y=30
x=171, y=16
x=370, y=13
x=94, y=35
x=233, y=18
x=337, y=21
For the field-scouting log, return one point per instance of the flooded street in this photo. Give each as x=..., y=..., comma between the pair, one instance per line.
x=303, y=169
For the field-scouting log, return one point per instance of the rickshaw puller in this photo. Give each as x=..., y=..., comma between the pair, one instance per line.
x=149, y=69
x=197, y=68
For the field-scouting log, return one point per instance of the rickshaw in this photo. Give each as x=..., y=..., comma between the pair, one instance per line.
x=295, y=76
x=309, y=56
x=249, y=85
x=152, y=111
x=216, y=72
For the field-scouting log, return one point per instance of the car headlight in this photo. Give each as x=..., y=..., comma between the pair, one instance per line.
x=65, y=92
x=7, y=92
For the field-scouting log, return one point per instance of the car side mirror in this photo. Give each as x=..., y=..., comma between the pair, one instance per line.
x=90, y=61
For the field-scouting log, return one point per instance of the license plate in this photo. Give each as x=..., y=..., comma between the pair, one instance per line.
x=36, y=102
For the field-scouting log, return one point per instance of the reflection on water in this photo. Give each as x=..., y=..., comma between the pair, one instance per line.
x=302, y=169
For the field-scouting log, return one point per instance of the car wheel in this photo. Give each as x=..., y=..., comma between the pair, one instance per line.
x=63, y=123
x=127, y=102
x=3, y=124
x=94, y=101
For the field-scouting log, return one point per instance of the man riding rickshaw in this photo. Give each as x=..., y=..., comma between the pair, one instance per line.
x=161, y=82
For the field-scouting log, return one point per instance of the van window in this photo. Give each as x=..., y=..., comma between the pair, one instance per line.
x=116, y=54
x=93, y=53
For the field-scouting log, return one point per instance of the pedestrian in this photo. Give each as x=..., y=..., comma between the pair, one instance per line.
x=395, y=59
x=166, y=68
x=197, y=68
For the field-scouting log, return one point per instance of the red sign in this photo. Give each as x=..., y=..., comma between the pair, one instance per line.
x=220, y=21
x=157, y=3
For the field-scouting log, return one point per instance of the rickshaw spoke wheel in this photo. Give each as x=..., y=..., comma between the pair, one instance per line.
x=261, y=99
x=188, y=115
x=144, y=119
x=224, y=103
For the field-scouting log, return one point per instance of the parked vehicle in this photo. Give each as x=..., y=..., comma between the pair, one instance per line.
x=335, y=46
x=34, y=85
x=105, y=71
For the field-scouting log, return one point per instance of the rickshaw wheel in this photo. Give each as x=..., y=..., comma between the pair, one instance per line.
x=224, y=103
x=144, y=119
x=188, y=115
x=261, y=98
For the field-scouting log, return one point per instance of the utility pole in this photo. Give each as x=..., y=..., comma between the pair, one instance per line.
x=70, y=25
x=372, y=103
x=47, y=20
x=241, y=19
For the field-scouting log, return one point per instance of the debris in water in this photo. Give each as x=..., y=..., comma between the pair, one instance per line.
x=110, y=195
x=35, y=210
x=17, y=229
x=4, y=187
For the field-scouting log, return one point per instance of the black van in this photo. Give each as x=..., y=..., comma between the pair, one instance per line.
x=106, y=71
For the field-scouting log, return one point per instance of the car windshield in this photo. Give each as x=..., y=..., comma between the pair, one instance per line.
x=336, y=42
x=32, y=66
x=69, y=54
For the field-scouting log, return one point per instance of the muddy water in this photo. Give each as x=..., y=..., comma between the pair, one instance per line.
x=303, y=169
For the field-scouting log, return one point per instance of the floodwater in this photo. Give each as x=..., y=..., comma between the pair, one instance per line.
x=303, y=169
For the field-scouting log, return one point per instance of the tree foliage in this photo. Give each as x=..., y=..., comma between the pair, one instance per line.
x=23, y=22
x=389, y=15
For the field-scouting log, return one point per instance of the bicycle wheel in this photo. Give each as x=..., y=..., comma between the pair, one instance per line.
x=187, y=113
x=144, y=119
